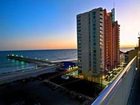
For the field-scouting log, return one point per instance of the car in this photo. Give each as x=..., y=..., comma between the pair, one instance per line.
x=66, y=77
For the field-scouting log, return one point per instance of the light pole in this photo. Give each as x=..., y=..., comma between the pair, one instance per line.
x=138, y=50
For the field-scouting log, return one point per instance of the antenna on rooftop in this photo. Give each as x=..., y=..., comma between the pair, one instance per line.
x=113, y=12
x=113, y=3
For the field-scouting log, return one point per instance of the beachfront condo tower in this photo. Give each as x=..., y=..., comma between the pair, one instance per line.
x=97, y=41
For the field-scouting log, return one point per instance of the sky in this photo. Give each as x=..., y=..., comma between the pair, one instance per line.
x=51, y=24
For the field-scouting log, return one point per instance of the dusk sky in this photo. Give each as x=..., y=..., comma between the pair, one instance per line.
x=51, y=24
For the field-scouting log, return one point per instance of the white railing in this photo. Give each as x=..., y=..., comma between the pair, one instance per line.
x=117, y=92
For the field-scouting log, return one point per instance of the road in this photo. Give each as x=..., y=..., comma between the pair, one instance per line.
x=14, y=76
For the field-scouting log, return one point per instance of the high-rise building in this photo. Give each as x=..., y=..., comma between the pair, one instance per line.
x=98, y=41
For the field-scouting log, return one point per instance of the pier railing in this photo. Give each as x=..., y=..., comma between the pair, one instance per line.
x=117, y=92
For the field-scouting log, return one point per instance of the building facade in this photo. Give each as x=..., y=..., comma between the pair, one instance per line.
x=98, y=41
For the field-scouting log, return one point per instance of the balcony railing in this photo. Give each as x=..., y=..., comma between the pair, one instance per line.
x=117, y=92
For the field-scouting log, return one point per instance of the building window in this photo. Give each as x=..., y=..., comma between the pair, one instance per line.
x=94, y=43
x=94, y=25
x=94, y=17
x=94, y=54
x=78, y=17
x=79, y=30
x=94, y=63
x=78, y=20
x=94, y=28
x=93, y=13
x=78, y=24
x=94, y=32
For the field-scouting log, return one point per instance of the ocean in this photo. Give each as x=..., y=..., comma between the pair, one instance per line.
x=126, y=49
x=7, y=65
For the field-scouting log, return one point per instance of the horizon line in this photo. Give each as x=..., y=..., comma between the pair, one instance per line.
x=53, y=49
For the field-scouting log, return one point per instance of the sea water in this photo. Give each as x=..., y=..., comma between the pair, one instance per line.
x=7, y=65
